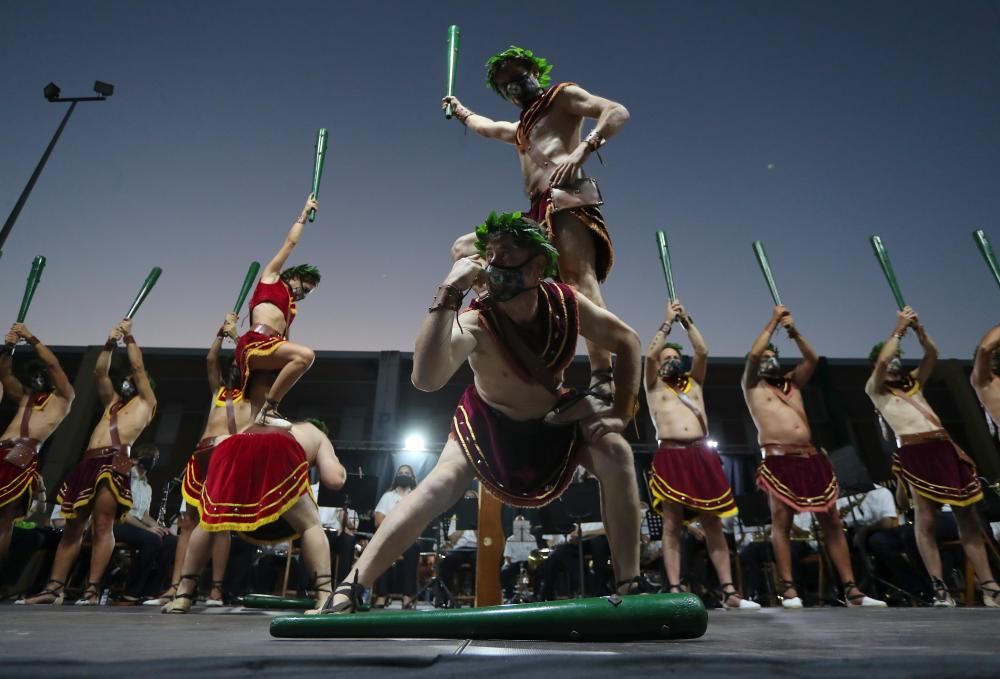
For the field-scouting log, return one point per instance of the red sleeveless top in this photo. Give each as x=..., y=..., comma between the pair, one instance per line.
x=278, y=294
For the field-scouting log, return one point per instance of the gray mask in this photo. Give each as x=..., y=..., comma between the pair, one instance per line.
x=40, y=382
x=524, y=90
x=895, y=366
x=670, y=368
x=127, y=389
x=505, y=283
x=769, y=367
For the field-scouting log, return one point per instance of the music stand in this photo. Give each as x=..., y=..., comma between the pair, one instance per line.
x=466, y=513
x=359, y=493
x=580, y=503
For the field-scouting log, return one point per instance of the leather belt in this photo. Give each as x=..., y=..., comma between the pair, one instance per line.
x=263, y=329
x=796, y=450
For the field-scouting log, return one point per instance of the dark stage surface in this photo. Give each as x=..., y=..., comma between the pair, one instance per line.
x=74, y=641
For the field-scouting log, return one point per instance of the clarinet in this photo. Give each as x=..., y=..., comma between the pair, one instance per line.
x=168, y=488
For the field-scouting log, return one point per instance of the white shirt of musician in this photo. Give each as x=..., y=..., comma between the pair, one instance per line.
x=559, y=539
x=520, y=544
x=878, y=504
x=467, y=540
x=330, y=516
x=142, y=495
x=388, y=502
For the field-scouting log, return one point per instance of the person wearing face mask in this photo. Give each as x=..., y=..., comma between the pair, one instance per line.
x=98, y=489
x=265, y=346
x=228, y=413
x=402, y=575
x=686, y=481
x=518, y=340
x=43, y=401
x=153, y=543
x=552, y=155
x=795, y=475
x=935, y=470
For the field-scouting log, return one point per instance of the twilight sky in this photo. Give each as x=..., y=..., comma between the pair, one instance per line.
x=807, y=125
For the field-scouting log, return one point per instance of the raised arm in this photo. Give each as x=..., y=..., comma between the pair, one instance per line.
x=442, y=346
x=63, y=387
x=142, y=384
x=274, y=267
x=481, y=125
x=891, y=347
x=228, y=329
x=750, y=376
x=699, y=348
x=105, y=390
x=10, y=386
x=609, y=332
x=611, y=117
x=982, y=367
x=927, y=363
x=803, y=372
x=656, y=345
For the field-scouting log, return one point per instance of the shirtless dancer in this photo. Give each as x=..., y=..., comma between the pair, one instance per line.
x=258, y=485
x=687, y=481
x=552, y=154
x=41, y=406
x=99, y=487
x=794, y=474
x=934, y=468
x=229, y=413
x=518, y=341
x=272, y=309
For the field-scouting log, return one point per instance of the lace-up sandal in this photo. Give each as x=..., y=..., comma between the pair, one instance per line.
x=357, y=598
x=322, y=584
x=991, y=595
x=270, y=417
x=165, y=598
x=91, y=596
x=732, y=600
x=789, y=601
x=58, y=594
x=215, y=602
x=181, y=603
x=859, y=599
x=942, y=599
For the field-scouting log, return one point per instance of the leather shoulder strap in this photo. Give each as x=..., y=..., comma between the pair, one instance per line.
x=116, y=439
x=230, y=411
x=918, y=406
x=530, y=362
x=29, y=405
x=788, y=402
x=686, y=400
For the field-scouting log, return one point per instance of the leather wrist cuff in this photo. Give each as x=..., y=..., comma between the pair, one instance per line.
x=32, y=340
x=110, y=345
x=447, y=297
x=129, y=339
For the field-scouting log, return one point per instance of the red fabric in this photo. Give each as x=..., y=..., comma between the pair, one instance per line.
x=692, y=477
x=16, y=484
x=806, y=484
x=524, y=463
x=278, y=294
x=591, y=217
x=936, y=471
x=80, y=487
x=253, y=478
x=194, y=472
x=253, y=344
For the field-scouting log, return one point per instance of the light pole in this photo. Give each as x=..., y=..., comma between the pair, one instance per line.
x=51, y=91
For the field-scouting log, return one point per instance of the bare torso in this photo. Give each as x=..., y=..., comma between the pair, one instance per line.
x=269, y=315
x=497, y=383
x=903, y=417
x=556, y=135
x=674, y=420
x=43, y=422
x=218, y=421
x=776, y=420
x=989, y=396
x=132, y=419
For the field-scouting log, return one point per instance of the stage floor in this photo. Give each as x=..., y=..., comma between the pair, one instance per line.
x=76, y=641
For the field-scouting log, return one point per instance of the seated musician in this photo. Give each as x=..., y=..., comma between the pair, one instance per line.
x=340, y=525
x=565, y=558
x=518, y=547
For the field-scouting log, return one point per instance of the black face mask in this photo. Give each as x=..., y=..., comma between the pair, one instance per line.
x=769, y=368
x=895, y=368
x=127, y=389
x=40, y=382
x=146, y=463
x=670, y=369
x=506, y=283
x=523, y=90
x=404, y=481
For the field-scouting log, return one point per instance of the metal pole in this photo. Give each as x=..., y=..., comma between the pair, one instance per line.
x=9, y=224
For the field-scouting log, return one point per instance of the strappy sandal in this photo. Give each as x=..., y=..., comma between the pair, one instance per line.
x=636, y=585
x=789, y=601
x=91, y=596
x=859, y=600
x=671, y=588
x=728, y=591
x=181, y=603
x=321, y=583
x=602, y=384
x=164, y=598
x=357, y=598
x=409, y=603
x=565, y=411
x=58, y=595
x=991, y=595
x=942, y=598
x=212, y=602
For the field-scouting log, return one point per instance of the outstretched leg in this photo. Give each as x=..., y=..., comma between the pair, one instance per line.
x=440, y=490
